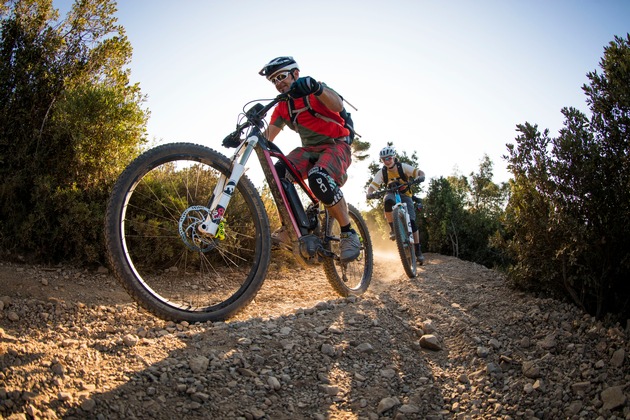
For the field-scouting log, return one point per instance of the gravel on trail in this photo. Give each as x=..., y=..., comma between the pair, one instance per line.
x=454, y=343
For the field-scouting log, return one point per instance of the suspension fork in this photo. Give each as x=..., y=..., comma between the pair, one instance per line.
x=399, y=203
x=225, y=187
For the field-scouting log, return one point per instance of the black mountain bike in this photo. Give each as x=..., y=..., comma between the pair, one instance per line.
x=188, y=235
x=402, y=226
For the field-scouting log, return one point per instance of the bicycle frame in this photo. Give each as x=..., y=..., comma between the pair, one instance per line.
x=265, y=150
x=255, y=141
x=404, y=208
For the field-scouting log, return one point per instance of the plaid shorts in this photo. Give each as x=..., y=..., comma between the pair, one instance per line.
x=334, y=158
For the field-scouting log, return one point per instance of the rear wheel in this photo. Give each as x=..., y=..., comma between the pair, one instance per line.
x=404, y=242
x=158, y=254
x=353, y=278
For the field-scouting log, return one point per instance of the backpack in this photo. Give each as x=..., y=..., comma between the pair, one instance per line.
x=403, y=176
x=345, y=115
x=401, y=173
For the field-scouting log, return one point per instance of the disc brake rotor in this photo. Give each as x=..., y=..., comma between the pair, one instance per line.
x=189, y=223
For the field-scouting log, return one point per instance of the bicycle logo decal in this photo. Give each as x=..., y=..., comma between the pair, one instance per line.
x=217, y=214
x=229, y=189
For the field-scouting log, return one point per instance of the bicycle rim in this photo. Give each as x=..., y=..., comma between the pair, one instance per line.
x=353, y=278
x=404, y=242
x=152, y=240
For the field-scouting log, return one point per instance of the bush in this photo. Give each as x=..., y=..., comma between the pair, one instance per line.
x=69, y=122
x=569, y=214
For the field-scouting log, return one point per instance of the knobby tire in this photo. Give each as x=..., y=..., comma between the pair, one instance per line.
x=353, y=278
x=404, y=242
x=194, y=280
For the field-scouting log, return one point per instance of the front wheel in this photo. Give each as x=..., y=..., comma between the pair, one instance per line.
x=404, y=241
x=353, y=278
x=156, y=250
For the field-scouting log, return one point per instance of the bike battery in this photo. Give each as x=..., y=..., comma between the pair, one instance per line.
x=296, y=203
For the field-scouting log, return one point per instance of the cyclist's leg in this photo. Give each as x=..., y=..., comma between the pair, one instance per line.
x=388, y=203
x=299, y=157
x=411, y=208
x=407, y=200
x=335, y=159
x=328, y=174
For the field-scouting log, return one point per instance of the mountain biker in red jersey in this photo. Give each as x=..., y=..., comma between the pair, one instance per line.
x=393, y=170
x=325, y=155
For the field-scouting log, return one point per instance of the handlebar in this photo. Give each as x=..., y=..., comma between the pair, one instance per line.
x=393, y=186
x=253, y=118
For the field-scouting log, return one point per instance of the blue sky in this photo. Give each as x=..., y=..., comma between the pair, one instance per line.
x=447, y=79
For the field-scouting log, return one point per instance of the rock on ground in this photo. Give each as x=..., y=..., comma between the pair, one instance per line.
x=453, y=343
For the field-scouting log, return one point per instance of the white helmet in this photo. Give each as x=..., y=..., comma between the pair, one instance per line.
x=278, y=64
x=387, y=151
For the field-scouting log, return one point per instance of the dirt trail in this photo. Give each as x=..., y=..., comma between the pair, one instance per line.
x=73, y=345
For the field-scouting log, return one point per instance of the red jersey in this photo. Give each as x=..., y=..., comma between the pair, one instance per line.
x=312, y=130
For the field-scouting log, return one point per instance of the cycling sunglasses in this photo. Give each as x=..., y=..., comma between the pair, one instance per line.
x=280, y=77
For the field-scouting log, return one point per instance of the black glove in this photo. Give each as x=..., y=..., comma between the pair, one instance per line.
x=420, y=179
x=372, y=196
x=304, y=86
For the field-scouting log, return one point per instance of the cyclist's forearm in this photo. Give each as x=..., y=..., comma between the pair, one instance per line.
x=271, y=132
x=331, y=100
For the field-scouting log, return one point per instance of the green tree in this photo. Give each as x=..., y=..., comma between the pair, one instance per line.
x=359, y=149
x=485, y=208
x=485, y=195
x=445, y=212
x=463, y=216
x=69, y=122
x=569, y=213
